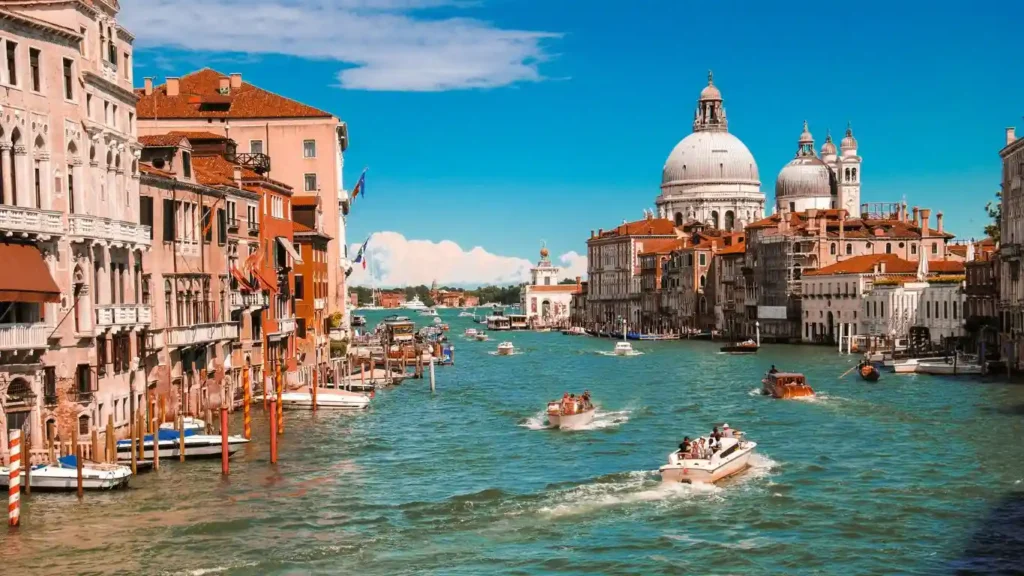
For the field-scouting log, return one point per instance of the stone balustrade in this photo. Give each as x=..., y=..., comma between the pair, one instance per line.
x=122, y=316
x=200, y=334
x=286, y=325
x=94, y=227
x=18, y=220
x=319, y=303
x=26, y=336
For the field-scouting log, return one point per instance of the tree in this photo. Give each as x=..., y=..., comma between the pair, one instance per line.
x=995, y=212
x=567, y=281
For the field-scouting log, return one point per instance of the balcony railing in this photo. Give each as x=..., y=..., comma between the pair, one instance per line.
x=81, y=396
x=29, y=336
x=31, y=221
x=232, y=224
x=254, y=228
x=187, y=248
x=82, y=226
x=286, y=325
x=319, y=303
x=201, y=333
x=258, y=163
x=253, y=300
x=122, y=316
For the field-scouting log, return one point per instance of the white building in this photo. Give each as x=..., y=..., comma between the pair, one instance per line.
x=940, y=308
x=544, y=300
x=710, y=176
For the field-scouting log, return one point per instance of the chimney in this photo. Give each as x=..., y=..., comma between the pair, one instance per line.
x=938, y=222
x=1011, y=135
x=591, y=233
x=172, y=86
x=926, y=214
x=881, y=266
x=238, y=176
x=236, y=80
x=903, y=211
x=224, y=85
x=600, y=231
x=148, y=84
x=916, y=212
x=812, y=216
x=579, y=284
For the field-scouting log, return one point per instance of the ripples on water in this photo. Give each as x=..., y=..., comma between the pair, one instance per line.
x=911, y=475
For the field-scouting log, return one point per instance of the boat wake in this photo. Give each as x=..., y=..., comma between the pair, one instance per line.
x=601, y=421
x=623, y=490
x=756, y=392
x=538, y=421
x=513, y=353
x=613, y=353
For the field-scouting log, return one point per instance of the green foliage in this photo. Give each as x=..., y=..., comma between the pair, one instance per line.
x=500, y=294
x=568, y=281
x=995, y=212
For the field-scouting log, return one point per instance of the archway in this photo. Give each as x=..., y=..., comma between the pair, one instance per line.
x=545, y=309
x=730, y=220
x=714, y=219
x=679, y=218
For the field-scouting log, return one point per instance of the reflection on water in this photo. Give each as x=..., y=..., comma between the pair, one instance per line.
x=913, y=474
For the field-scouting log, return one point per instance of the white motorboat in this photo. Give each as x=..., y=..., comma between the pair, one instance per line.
x=946, y=367
x=909, y=365
x=623, y=348
x=190, y=424
x=63, y=476
x=428, y=312
x=326, y=398
x=196, y=445
x=415, y=304
x=481, y=336
x=506, y=349
x=437, y=319
x=564, y=420
x=575, y=331
x=733, y=458
x=470, y=333
x=466, y=314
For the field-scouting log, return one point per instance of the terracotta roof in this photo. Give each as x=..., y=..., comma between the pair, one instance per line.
x=214, y=171
x=853, y=228
x=735, y=248
x=662, y=245
x=645, y=227
x=946, y=266
x=300, y=227
x=161, y=140
x=198, y=135
x=155, y=171
x=306, y=200
x=203, y=87
x=893, y=265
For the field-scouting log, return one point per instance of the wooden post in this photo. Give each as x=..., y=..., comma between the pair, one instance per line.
x=224, y=439
x=49, y=443
x=280, y=405
x=78, y=456
x=131, y=433
x=141, y=428
x=181, y=437
x=97, y=455
x=111, y=442
x=316, y=383
x=246, y=401
x=156, y=445
x=28, y=469
x=14, y=482
x=208, y=414
x=273, y=431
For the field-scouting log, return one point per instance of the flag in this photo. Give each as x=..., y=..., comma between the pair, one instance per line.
x=360, y=185
x=359, y=255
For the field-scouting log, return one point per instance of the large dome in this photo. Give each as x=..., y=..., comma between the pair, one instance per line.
x=710, y=157
x=805, y=177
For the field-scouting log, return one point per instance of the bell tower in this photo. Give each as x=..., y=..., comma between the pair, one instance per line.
x=848, y=173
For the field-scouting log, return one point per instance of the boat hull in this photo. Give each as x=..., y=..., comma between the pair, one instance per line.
x=943, y=369
x=60, y=479
x=788, y=391
x=739, y=349
x=571, y=421
x=198, y=446
x=708, y=471
x=333, y=399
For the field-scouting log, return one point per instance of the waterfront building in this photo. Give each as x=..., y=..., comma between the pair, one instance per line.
x=655, y=316
x=578, y=305
x=831, y=181
x=70, y=302
x=726, y=275
x=311, y=280
x=1011, y=234
x=690, y=269
x=981, y=291
x=307, y=145
x=543, y=300
x=710, y=176
x=613, y=269
x=393, y=299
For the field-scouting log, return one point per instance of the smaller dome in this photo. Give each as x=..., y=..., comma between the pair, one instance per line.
x=805, y=177
x=710, y=92
x=544, y=253
x=829, y=147
x=848, y=142
x=805, y=136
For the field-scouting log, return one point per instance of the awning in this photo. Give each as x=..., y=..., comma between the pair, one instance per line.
x=242, y=280
x=290, y=249
x=24, y=276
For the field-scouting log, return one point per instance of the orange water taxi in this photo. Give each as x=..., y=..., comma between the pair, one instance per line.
x=786, y=385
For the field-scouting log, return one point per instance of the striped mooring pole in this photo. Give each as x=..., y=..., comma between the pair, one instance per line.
x=14, y=490
x=246, y=402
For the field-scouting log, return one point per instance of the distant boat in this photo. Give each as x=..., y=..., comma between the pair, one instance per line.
x=414, y=304
x=506, y=349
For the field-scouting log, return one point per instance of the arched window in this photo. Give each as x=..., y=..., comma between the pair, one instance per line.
x=888, y=248
x=702, y=281
x=79, y=287
x=679, y=218
x=849, y=248
x=714, y=219
x=913, y=248
x=730, y=220
x=832, y=249
x=846, y=175
x=853, y=174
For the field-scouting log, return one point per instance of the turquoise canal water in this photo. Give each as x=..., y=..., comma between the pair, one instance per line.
x=908, y=476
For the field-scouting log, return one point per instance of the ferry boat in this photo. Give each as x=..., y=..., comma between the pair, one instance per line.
x=568, y=417
x=62, y=476
x=517, y=322
x=732, y=458
x=868, y=372
x=748, y=347
x=786, y=385
x=415, y=304
x=499, y=323
x=196, y=445
x=506, y=349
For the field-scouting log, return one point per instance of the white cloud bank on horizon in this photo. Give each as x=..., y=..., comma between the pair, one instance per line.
x=398, y=261
x=386, y=44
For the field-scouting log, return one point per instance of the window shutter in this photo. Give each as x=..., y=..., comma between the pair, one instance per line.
x=222, y=227
x=168, y=220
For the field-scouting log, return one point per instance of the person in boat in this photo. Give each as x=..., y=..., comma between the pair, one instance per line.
x=684, y=446
x=716, y=436
x=773, y=370
x=726, y=431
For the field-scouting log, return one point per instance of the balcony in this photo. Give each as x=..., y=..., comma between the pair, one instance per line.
x=16, y=220
x=92, y=227
x=118, y=316
x=286, y=325
x=29, y=336
x=187, y=248
x=319, y=303
x=254, y=228
x=258, y=163
x=200, y=334
x=250, y=300
x=81, y=396
x=232, y=224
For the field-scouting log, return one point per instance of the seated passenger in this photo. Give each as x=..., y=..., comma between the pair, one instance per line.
x=726, y=431
x=684, y=446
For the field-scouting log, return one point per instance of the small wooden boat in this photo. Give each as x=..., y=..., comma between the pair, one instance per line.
x=786, y=385
x=570, y=418
x=732, y=458
x=748, y=347
x=506, y=349
x=63, y=476
x=868, y=372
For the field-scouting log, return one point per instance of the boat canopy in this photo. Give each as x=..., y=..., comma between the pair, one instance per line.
x=68, y=461
x=162, y=434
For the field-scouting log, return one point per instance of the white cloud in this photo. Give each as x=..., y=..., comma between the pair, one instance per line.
x=388, y=44
x=573, y=265
x=398, y=261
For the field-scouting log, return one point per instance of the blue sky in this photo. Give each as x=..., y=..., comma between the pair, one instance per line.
x=503, y=122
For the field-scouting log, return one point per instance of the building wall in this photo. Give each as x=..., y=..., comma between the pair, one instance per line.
x=941, y=310
x=830, y=301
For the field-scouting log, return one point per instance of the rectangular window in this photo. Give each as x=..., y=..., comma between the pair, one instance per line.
x=12, y=63
x=309, y=148
x=113, y=116
x=310, y=182
x=106, y=112
x=222, y=227
x=257, y=327
x=186, y=164
x=300, y=327
x=127, y=68
x=101, y=355
x=69, y=86
x=207, y=224
x=88, y=106
x=33, y=65
x=131, y=122
x=50, y=382
x=146, y=213
x=83, y=378
x=168, y=220
x=300, y=287
x=256, y=146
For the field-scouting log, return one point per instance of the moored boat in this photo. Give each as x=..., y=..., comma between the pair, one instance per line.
x=506, y=349
x=732, y=458
x=748, y=347
x=575, y=331
x=358, y=320
x=950, y=367
x=326, y=398
x=62, y=476
x=786, y=385
x=415, y=304
x=191, y=423
x=196, y=445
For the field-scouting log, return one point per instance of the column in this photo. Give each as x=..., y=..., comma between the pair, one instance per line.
x=21, y=182
x=130, y=289
x=112, y=196
x=5, y=159
x=45, y=183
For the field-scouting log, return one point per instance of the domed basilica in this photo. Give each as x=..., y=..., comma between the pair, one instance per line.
x=711, y=176
x=829, y=181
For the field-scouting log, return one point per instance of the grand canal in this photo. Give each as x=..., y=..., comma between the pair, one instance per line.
x=911, y=475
